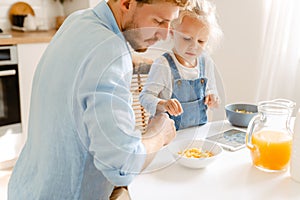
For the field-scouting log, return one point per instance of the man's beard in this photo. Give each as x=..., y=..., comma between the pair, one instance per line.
x=134, y=38
x=134, y=35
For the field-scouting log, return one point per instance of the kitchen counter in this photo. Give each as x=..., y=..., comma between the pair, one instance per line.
x=19, y=37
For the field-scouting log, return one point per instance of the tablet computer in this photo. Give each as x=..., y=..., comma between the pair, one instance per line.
x=232, y=139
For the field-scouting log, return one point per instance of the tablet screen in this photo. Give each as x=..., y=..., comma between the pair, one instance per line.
x=233, y=139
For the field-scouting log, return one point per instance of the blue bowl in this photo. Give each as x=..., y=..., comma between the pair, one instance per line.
x=240, y=114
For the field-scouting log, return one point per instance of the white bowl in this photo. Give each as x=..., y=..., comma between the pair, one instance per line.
x=179, y=146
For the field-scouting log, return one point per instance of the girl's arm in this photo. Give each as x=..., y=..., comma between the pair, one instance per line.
x=158, y=86
x=212, y=99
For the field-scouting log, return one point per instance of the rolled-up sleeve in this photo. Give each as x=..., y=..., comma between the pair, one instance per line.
x=105, y=99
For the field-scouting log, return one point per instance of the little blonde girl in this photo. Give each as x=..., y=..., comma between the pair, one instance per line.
x=182, y=82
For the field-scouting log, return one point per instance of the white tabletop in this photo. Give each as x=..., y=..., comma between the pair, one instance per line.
x=232, y=176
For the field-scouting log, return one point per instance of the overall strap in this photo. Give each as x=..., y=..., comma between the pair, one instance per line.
x=172, y=64
x=202, y=66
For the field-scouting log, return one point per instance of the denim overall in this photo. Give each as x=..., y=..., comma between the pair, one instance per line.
x=191, y=95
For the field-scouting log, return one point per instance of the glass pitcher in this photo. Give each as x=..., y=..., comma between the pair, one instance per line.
x=269, y=136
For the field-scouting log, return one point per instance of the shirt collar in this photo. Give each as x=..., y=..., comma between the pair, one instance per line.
x=107, y=18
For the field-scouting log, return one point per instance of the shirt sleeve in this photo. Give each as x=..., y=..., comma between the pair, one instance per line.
x=158, y=85
x=105, y=98
x=210, y=73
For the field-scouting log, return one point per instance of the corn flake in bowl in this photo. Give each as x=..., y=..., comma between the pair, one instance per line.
x=198, y=153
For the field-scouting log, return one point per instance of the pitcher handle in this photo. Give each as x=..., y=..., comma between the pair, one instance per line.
x=252, y=125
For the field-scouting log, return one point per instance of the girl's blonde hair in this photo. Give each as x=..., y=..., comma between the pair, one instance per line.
x=204, y=11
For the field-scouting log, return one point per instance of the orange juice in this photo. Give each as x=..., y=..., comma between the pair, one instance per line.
x=271, y=149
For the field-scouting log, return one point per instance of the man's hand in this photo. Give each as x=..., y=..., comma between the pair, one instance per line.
x=161, y=126
x=160, y=131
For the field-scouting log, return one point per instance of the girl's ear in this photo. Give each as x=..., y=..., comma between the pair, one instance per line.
x=171, y=32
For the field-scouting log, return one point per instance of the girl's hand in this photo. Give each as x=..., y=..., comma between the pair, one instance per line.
x=212, y=101
x=172, y=106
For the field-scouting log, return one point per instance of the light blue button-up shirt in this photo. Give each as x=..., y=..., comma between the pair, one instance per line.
x=81, y=137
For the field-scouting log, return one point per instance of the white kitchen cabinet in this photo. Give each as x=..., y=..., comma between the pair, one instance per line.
x=28, y=57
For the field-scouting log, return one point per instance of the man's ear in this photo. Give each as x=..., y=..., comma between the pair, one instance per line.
x=125, y=4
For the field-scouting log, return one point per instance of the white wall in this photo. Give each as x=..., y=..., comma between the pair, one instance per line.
x=93, y=3
x=237, y=58
x=71, y=6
